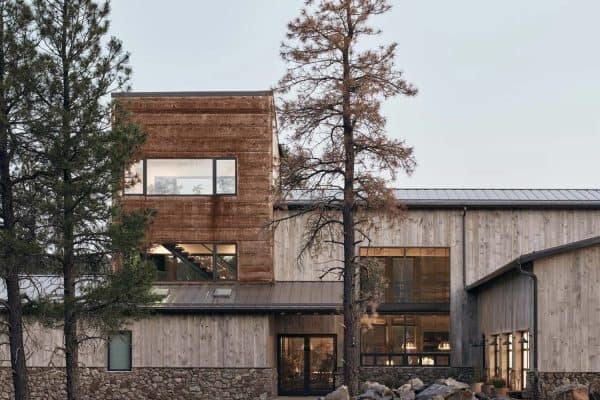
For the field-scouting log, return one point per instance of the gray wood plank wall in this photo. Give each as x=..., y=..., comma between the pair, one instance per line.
x=493, y=238
x=218, y=341
x=569, y=311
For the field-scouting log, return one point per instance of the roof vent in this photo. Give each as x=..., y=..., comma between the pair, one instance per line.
x=222, y=292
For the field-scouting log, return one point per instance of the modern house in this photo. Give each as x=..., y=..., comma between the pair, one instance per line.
x=477, y=279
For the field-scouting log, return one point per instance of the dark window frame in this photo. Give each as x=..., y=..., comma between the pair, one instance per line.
x=214, y=177
x=306, y=337
x=405, y=354
x=215, y=254
x=416, y=304
x=497, y=356
x=130, y=335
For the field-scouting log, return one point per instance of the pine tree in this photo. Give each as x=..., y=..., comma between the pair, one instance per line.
x=18, y=69
x=338, y=151
x=87, y=142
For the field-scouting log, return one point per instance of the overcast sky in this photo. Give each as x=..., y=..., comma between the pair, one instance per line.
x=509, y=90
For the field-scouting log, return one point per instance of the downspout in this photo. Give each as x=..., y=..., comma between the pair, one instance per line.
x=464, y=247
x=533, y=276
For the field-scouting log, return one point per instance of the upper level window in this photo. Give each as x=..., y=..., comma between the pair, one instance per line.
x=134, y=178
x=413, y=274
x=194, y=261
x=179, y=176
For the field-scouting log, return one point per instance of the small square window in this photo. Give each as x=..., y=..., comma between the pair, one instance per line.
x=119, y=351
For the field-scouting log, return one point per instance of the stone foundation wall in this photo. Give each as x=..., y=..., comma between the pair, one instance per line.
x=396, y=376
x=151, y=383
x=548, y=382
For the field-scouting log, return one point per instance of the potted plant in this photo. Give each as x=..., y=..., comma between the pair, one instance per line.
x=500, y=388
x=477, y=381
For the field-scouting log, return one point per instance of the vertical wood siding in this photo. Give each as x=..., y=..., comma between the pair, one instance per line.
x=211, y=341
x=506, y=305
x=569, y=311
x=493, y=238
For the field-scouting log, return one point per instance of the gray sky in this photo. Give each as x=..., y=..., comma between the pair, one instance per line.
x=509, y=90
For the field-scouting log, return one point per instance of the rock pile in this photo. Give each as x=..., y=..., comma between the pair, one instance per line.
x=414, y=389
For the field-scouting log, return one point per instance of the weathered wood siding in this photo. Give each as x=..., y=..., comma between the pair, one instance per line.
x=493, y=238
x=496, y=237
x=569, y=311
x=219, y=126
x=210, y=341
x=506, y=305
x=43, y=348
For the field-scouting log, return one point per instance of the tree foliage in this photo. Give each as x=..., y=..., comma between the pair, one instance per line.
x=86, y=143
x=338, y=154
x=19, y=68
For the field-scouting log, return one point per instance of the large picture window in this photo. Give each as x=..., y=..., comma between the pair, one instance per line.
x=179, y=176
x=194, y=261
x=413, y=275
x=405, y=340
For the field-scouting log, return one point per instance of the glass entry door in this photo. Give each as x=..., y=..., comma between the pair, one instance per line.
x=306, y=364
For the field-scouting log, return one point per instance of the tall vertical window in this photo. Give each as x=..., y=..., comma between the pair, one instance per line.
x=524, y=357
x=226, y=172
x=498, y=360
x=134, y=178
x=178, y=176
x=119, y=351
x=509, y=360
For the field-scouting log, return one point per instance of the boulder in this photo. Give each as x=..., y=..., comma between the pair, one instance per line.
x=340, y=393
x=404, y=392
x=454, y=383
x=436, y=389
x=370, y=394
x=416, y=384
x=570, y=392
x=594, y=391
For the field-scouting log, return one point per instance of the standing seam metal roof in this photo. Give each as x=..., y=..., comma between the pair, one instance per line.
x=445, y=197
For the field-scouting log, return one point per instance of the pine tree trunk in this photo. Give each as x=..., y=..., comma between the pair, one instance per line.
x=70, y=331
x=11, y=271
x=351, y=354
x=68, y=246
x=11, y=279
x=15, y=332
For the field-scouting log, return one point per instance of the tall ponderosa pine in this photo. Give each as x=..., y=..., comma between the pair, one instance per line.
x=87, y=143
x=18, y=62
x=338, y=151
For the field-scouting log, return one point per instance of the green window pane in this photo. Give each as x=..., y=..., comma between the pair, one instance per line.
x=119, y=352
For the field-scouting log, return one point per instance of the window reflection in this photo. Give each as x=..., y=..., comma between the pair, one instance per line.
x=194, y=261
x=134, y=176
x=413, y=275
x=225, y=177
x=411, y=340
x=179, y=176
